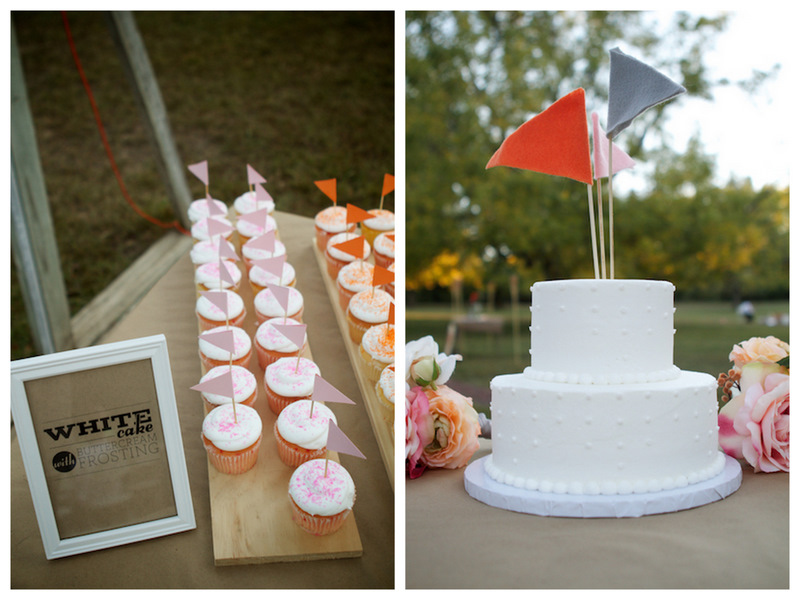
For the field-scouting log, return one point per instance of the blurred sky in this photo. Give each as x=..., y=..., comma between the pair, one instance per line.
x=748, y=133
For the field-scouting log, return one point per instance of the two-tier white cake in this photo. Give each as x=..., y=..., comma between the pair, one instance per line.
x=602, y=409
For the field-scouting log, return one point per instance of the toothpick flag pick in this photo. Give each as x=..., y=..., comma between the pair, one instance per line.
x=388, y=187
x=258, y=217
x=633, y=88
x=555, y=142
x=281, y=294
x=295, y=333
x=328, y=187
x=221, y=385
x=381, y=276
x=272, y=265
x=356, y=214
x=213, y=208
x=390, y=320
x=265, y=241
x=218, y=299
x=325, y=392
x=225, y=274
x=220, y=339
x=254, y=176
x=339, y=442
x=262, y=195
x=200, y=170
x=217, y=227
x=354, y=247
x=600, y=152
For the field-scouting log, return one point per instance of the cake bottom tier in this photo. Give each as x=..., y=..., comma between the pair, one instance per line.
x=610, y=439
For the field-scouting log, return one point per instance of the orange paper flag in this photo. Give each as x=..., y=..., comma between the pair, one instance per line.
x=356, y=215
x=354, y=247
x=390, y=320
x=556, y=141
x=328, y=187
x=381, y=276
x=388, y=184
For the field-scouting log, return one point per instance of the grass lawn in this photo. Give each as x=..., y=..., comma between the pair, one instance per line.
x=705, y=334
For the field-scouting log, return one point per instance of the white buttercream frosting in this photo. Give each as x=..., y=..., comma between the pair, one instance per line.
x=332, y=219
x=386, y=382
x=263, y=278
x=249, y=229
x=251, y=253
x=272, y=339
x=321, y=492
x=198, y=209
x=382, y=219
x=340, y=238
x=356, y=276
x=232, y=434
x=207, y=309
x=246, y=203
x=384, y=244
x=244, y=384
x=378, y=342
x=370, y=306
x=207, y=251
x=241, y=342
x=200, y=229
x=208, y=274
x=267, y=304
x=292, y=379
x=300, y=425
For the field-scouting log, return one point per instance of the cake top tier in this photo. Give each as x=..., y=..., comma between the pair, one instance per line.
x=602, y=331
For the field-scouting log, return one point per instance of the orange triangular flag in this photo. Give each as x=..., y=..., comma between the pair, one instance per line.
x=390, y=320
x=381, y=276
x=356, y=215
x=388, y=184
x=354, y=247
x=556, y=141
x=328, y=187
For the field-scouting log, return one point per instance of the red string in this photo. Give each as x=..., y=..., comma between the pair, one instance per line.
x=107, y=146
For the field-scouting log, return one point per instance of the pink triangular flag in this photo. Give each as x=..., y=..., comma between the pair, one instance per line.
x=265, y=241
x=218, y=299
x=281, y=294
x=325, y=392
x=257, y=217
x=224, y=274
x=339, y=442
x=254, y=176
x=220, y=339
x=620, y=159
x=213, y=208
x=200, y=170
x=222, y=385
x=262, y=195
x=294, y=333
x=272, y=265
x=227, y=251
x=217, y=227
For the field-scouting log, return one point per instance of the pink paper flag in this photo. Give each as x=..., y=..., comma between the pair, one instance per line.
x=620, y=159
x=272, y=265
x=217, y=227
x=281, y=294
x=294, y=333
x=222, y=385
x=262, y=195
x=227, y=251
x=213, y=208
x=257, y=217
x=200, y=170
x=339, y=442
x=221, y=339
x=325, y=392
x=218, y=299
x=265, y=241
x=224, y=274
x=254, y=176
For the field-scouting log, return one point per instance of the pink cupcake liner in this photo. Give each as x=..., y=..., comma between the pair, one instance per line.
x=292, y=455
x=210, y=363
x=249, y=402
x=277, y=402
x=232, y=463
x=317, y=524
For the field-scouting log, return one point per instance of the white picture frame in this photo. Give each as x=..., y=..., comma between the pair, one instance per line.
x=27, y=372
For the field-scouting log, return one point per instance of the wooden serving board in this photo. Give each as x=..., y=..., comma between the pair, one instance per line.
x=384, y=431
x=251, y=515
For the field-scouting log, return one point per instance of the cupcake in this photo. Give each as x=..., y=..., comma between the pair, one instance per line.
x=261, y=278
x=271, y=344
x=377, y=350
x=302, y=433
x=208, y=277
x=212, y=355
x=353, y=278
x=367, y=308
x=267, y=305
x=287, y=380
x=208, y=251
x=200, y=230
x=210, y=315
x=247, y=229
x=322, y=496
x=384, y=389
x=381, y=221
x=244, y=387
x=329, y=222
x=250, y=252
x=232, y=442
x=336, y=258
x=389, y=287
x=198, y=209
x=383, y=249
x=246, y=203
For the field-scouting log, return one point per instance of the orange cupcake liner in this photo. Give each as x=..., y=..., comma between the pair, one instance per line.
x=334, y=265
x=382, y=260
x=323, y=236
x=292, y=454
x=318, y=524
x=232, y=463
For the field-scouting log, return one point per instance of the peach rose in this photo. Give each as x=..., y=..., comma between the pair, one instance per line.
x=456, y=429
x=768, y=350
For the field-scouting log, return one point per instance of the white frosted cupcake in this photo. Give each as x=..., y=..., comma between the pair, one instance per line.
x=232, y=439
x=251, y=253
x=322, y=496
x=287, y=381
x=246, y=203
x=377, y=350
x=247, y=229
x=383, y=249
x=271, y=344
x=261, y=278
x=212, y=355
x=208, y=277
x=336, y=258
x=208, y=251
x=302, y=433
x=366, y=309
x=353, y=278
x=389, y=287
x=382, y=220
x=201, y=233
x=244, y=387
x=329, y=222
x=198, y=209
x=384, y=389
x=267, y=305
x=209, y=315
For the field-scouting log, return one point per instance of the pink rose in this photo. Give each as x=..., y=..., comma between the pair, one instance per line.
x=456, y=429
x=419, y=429
x=767, y=350
x=754, y=425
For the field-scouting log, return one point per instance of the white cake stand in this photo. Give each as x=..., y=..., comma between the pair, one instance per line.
x=482, y=487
